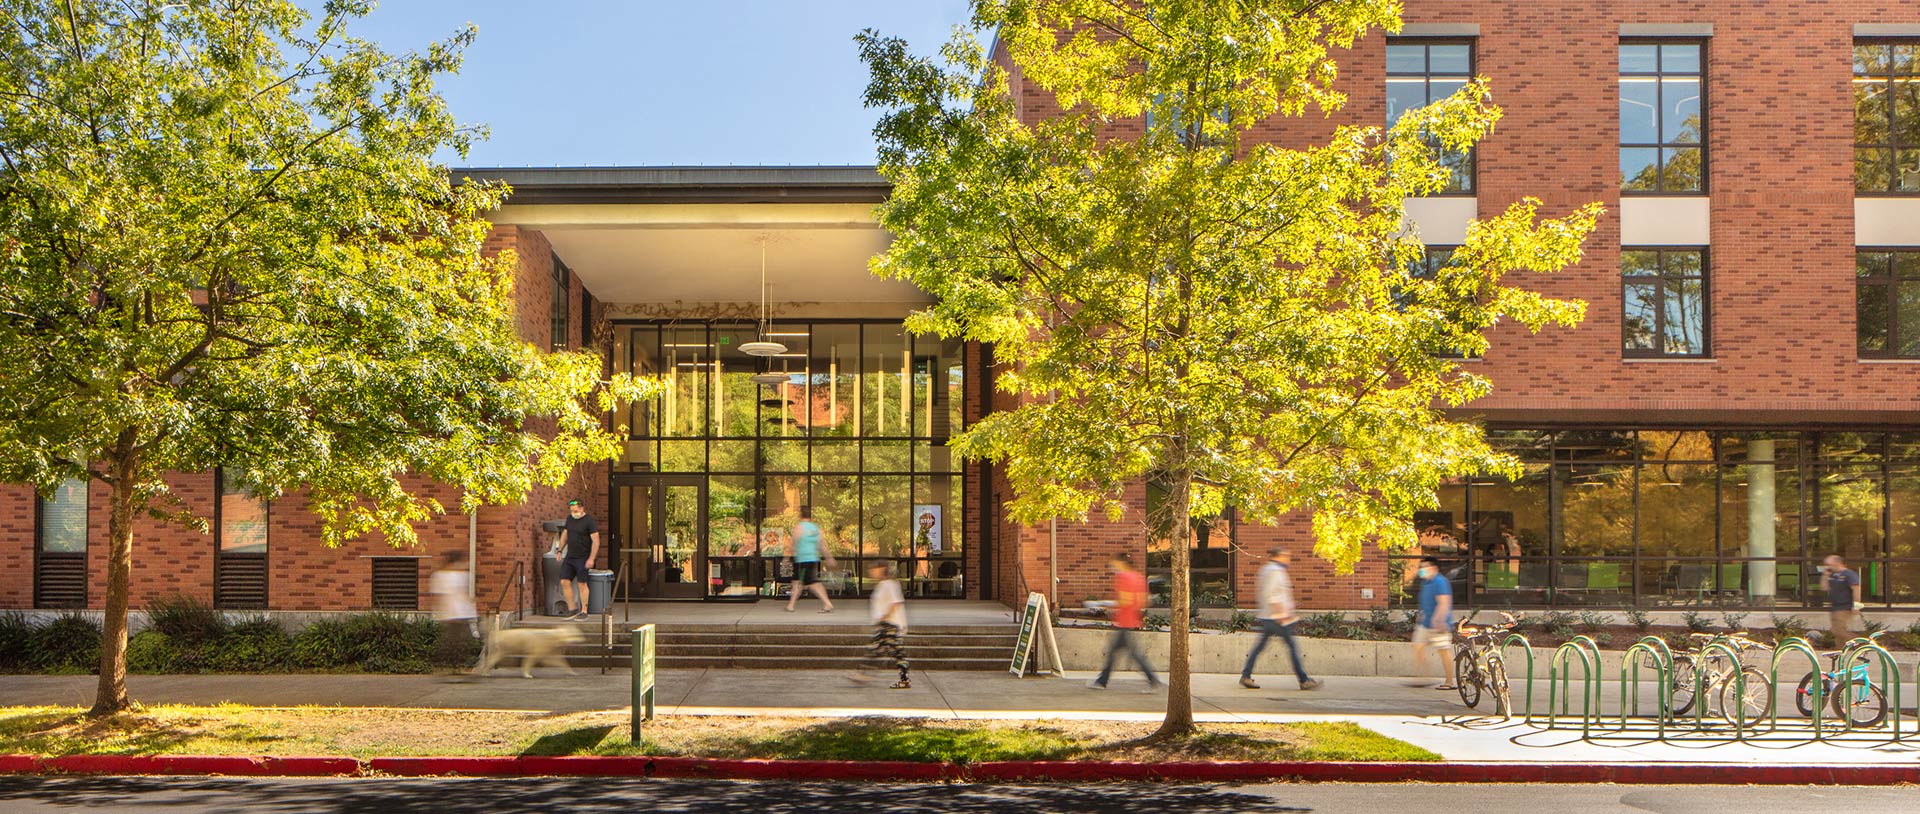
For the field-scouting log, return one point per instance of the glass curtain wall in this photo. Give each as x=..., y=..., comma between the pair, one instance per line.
x=1679, y=518
x=855, y=431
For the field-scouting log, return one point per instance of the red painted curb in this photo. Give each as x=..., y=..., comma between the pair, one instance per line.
x=988, y=772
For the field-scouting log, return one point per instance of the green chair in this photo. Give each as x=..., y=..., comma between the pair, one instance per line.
x=1603, y=576
x=1733, y=578
x=1502, y=578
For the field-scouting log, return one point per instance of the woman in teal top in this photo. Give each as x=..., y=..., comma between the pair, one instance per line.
x=809, y=550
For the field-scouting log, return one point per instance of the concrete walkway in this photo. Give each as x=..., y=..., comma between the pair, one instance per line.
x=1429, y=718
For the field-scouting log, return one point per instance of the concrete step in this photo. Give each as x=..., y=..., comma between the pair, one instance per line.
x=914, y=639
x=787, y=663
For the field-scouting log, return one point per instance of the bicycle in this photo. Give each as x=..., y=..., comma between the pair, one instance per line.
x=1478, y=667
x=1755, y=699
x=1850, y=691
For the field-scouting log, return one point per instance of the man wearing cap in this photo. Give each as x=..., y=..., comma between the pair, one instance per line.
x=577, y=548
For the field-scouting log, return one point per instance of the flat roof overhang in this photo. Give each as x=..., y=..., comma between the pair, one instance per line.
x=696, y=234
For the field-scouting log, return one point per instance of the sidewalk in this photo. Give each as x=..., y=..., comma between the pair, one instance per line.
x=1425, y=717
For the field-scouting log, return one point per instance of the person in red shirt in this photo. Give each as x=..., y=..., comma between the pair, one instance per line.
x=1130, y=594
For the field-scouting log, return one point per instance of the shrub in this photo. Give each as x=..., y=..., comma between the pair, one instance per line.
x=1869, y=627
x=1154, y=621
x=1237, y=621
x=69, y=643
x=1734, y=621
x=16, y=641
x=1380, y=619
x=1641, y=620
x=1696, y=622
x=185, y=620
x=1788, y=627
x=1322, y=625
x=151, y=651
x=1593, y=621
x=254, y=646
x=1557, y=623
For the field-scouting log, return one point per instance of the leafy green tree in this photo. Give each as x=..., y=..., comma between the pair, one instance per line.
x=1237, y=322
x=225, y=241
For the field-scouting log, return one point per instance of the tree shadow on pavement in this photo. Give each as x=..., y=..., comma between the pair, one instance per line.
x=20, y=795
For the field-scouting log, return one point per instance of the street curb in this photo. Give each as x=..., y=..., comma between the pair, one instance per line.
x=986, y=772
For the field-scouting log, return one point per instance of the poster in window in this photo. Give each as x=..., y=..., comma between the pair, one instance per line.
x=926, y=528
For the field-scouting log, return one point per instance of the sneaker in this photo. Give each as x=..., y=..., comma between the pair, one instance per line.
x=579, y=617
x=1311, y=684
x=1095, y=685
x=900, y=685
x=1249, y=684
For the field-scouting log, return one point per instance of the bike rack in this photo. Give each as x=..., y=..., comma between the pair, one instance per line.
x=1854, y=649
x=1501, y=649
x=1559, y=677
x=1661, y=655
x=1802, y=646
x=1720, y=644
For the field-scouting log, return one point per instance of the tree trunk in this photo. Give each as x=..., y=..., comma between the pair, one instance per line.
x=1179, y=720
x=111, y=697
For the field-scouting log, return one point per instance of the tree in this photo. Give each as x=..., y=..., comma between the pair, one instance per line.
x=1239, y=323
x=225, y=241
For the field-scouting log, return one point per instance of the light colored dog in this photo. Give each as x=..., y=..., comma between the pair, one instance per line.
x=533, y=645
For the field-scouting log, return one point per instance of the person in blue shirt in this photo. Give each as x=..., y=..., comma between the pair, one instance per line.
x=809, y=551
x=1433, y=629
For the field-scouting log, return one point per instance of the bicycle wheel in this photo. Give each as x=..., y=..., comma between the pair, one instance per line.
x=1497, y=684
x=1748, y=707
x=1860, y=704
x=1803, y=694
x=1466, y=676
x=1681, y=694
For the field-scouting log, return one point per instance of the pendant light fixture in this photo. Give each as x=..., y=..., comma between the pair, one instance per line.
x=764, y=347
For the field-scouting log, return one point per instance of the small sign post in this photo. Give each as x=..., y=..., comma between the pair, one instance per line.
x=642, y=678
x=1036, y=625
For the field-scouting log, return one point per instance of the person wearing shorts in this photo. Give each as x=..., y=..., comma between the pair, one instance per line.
x=1433, y=629
x=809, y=550
x=578, y=546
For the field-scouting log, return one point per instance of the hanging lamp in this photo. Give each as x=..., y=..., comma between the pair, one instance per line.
x=764, y=347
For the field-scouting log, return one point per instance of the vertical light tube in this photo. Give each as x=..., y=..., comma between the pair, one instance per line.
x=1761, y=497
x=833, y=385
x=906, y=389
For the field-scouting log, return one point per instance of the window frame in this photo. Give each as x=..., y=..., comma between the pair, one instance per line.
x=1473, y=66
x=1890, y=282
x=1659, y=279
x=559, y=305
x=220, y=552
x=1661, y=146
x=1893, y=145
x=40, y=552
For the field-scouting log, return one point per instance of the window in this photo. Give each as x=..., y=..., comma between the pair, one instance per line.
x=557, y=310
x=1662, y=117
x=1887, y=303
x=60, y=547
x=1428, y=267
x=240, y=546
x=1420, y=73
x=1886, y=116
x=1664, y=305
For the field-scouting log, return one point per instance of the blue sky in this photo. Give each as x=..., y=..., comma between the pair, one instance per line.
x=650, y=82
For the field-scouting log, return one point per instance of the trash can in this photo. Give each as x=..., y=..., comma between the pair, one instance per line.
x=556, y=603
x=599, y=590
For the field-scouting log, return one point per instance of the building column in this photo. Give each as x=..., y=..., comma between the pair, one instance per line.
x=1760, y=525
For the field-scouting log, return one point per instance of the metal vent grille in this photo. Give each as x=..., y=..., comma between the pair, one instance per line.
x=60, y=581
x=240, y=583
x=396, y=583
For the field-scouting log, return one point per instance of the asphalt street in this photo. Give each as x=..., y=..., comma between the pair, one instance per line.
x=32, y=795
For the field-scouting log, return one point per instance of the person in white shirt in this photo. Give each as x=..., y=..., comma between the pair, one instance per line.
x=451, y=585
x=888, y=608
x=1273, y=593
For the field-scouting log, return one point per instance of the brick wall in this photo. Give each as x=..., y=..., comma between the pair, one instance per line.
x=16, y=546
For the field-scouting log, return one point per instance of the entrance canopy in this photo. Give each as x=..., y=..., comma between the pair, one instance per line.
x=696, y=235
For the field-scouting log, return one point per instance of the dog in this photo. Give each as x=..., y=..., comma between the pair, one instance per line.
x=533, y=645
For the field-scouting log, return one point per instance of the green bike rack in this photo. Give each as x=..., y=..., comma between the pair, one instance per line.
x=1661, y=656
x=1502, y=650
x=1855, y=649
x=1559, y=678
x=1803, y=647
x=1721, y=644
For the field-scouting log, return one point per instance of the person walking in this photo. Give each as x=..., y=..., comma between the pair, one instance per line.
x=887, y=606
x=1433, y=629
x=451, y=586
x=1130, y=595
x=577, y=547
x=809, y=550
x=1843, y=598
x=1273, y=595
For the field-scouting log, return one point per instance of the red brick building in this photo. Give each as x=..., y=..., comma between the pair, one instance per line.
x=1740, y=401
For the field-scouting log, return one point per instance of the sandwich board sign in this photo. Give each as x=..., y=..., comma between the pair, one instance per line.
x=1036, y=644
x=642, y=678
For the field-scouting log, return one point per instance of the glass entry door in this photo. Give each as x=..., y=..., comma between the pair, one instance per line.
x=661, y=521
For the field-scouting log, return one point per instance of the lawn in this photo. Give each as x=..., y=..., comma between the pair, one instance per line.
x=357, y=732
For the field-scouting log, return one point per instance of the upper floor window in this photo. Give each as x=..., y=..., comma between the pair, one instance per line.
x=1887, y=303
x=1422, y=72
x=1886, y=116
x=1429, y=267
x=1662, y=117
x=63, y=519
x=557, y=307
x=1664, y=302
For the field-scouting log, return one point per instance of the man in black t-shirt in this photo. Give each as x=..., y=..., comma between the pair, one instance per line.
x=577, y=548
x=1843, y=598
